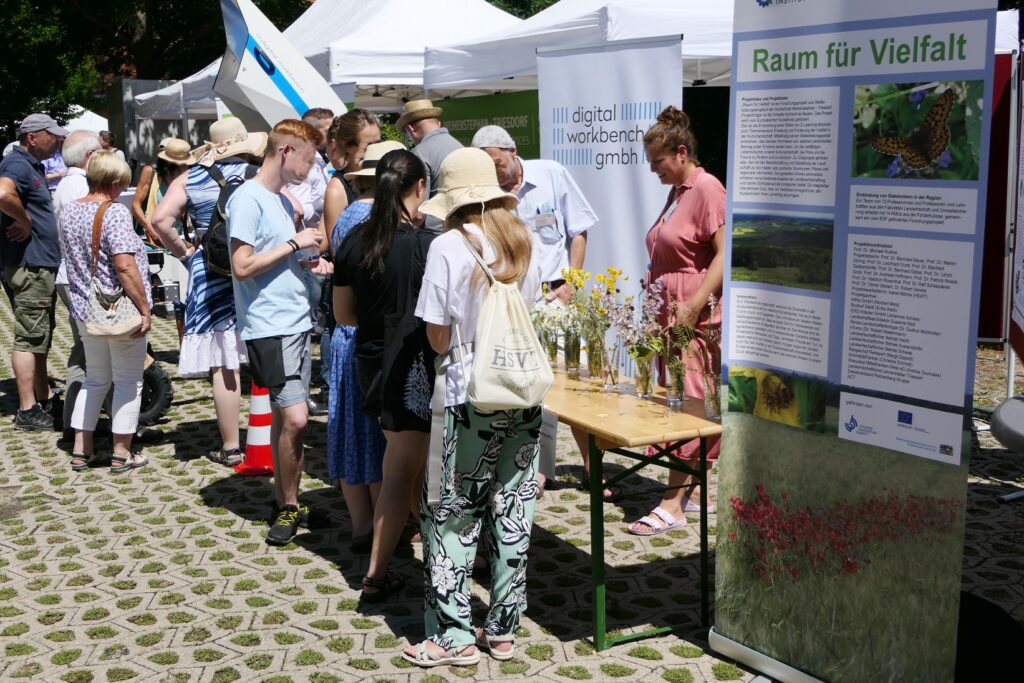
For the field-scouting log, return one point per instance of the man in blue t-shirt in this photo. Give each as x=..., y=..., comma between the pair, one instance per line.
x=30, y=254
x=273, y=307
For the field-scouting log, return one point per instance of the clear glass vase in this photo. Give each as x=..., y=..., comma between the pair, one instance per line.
x=595, y=356
x=676, y=391
x=572, y=354
x=644, y=377
x=712, y=396
x=550, y=342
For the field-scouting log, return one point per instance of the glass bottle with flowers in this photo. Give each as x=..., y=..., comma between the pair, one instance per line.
x=710, y=350
x=642, y=335
x=678, y=348
x=546, y=326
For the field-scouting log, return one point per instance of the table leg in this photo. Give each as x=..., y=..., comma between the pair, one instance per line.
x=704, y=589
x=597, y=540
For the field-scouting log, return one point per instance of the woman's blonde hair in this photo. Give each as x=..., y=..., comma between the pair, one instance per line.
x=105, y=169
x=503, y=229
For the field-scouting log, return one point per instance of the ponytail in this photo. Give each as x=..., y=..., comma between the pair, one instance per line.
x=397, y=174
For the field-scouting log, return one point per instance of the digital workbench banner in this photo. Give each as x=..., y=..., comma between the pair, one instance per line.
x=596, y=103
x=858, y=161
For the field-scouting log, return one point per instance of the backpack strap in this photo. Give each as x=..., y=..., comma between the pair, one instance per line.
x=479, y=259
x=217, y=175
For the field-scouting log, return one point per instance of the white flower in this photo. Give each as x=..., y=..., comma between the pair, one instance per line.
x=469, y=534
x=525, y=455
x=442, y=575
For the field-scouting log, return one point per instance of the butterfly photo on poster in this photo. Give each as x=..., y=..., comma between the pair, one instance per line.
x=929, y=131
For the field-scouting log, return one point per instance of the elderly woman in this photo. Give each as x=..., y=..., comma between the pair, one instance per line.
x=116, y=258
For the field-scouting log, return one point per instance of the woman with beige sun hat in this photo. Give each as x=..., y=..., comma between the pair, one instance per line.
x=174, y=156
x=211, y=345
x=488, y=469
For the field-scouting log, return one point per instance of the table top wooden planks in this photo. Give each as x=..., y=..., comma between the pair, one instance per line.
x=622, y=420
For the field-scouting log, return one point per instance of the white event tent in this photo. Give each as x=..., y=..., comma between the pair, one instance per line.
x=507, y=60
x=377, y=45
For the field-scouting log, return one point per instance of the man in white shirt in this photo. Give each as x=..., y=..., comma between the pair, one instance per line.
x=553, y=207
x=78, y=147
x=550, y=203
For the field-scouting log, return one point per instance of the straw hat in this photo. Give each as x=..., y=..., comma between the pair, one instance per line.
x=176, y=152
x=416, y=110
x=467, y=176
x=374, y=153
x=228, y=138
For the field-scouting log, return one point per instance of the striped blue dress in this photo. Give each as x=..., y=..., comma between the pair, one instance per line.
x=211, y=339
x=355, y=443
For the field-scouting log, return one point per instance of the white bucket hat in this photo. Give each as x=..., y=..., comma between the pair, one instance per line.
x=467, y=176
x=374, y=153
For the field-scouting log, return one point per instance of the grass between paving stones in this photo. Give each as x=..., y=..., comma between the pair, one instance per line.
x=576, y=673
x=726, y=671
x=677, y=676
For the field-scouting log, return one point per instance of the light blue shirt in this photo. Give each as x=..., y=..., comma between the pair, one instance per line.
x=273, y=303
x=553, y=207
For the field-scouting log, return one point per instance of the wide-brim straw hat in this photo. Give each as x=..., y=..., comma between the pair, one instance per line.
x=467, y=176
x=374, y=153
x=176, y=151
x=416, y=110
x=228, y=138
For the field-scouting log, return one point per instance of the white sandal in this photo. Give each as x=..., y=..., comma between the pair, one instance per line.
x=451, y=657
x=658, y=522
x=488, y=643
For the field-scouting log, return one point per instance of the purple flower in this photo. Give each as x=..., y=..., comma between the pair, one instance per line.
x=917, y=97
x=893, y=169
x=945, y=159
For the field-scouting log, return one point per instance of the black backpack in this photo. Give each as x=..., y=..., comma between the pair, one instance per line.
x=216, y=243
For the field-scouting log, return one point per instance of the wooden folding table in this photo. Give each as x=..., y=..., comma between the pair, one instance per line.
x=616, y=422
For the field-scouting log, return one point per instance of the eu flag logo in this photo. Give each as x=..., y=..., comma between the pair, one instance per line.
x=905, y=417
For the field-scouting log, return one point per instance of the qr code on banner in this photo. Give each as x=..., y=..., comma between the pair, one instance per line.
x=945, y=449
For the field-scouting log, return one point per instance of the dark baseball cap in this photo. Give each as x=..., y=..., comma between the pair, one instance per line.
x=34, y=123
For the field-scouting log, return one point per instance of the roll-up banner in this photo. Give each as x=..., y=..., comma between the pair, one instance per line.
x=1017, y=288
x=596, y=103
x=859, y=154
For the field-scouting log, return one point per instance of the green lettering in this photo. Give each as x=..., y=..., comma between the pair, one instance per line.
x=760, y=59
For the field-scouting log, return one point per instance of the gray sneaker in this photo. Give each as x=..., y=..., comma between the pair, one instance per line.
x=34, y=419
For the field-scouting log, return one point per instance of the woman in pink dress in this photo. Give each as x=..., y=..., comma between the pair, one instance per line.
x=686, y=246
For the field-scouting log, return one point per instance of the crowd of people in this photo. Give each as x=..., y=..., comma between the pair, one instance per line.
x=398, y=247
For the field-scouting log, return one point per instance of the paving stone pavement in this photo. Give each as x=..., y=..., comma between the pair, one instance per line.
x=162, y=574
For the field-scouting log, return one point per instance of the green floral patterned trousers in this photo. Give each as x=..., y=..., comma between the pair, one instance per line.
x=488, y=493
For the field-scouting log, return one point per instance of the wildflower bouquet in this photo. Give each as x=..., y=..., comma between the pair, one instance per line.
x=546, y=323
x=678, y=338
x=642, y=333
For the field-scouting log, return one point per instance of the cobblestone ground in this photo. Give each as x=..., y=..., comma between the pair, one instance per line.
x=162, y=574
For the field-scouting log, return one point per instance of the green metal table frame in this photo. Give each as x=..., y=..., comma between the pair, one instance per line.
x=663, y=458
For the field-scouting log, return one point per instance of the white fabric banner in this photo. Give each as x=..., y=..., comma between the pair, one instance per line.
x=595, y=106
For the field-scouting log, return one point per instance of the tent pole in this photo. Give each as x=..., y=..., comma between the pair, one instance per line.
x=1011, y=220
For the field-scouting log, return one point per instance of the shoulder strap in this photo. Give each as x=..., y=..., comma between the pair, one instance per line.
x=97, y=226
x=216, y=174
x=478, y=257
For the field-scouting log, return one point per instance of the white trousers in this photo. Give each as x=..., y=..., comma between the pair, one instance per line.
x=111, y=360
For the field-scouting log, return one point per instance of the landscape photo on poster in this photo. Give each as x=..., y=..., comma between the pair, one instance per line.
x=785, y=248
x=918, y=131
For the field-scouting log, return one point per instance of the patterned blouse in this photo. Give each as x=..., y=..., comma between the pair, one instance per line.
x=116, y=237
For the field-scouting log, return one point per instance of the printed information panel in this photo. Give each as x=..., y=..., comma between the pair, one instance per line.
x=857, y=181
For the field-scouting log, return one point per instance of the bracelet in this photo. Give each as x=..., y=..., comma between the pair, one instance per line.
x=293, y=244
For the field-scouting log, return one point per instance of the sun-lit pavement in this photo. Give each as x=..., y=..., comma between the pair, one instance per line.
x=162, y=574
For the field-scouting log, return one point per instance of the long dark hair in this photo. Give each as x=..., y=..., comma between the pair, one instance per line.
x=397, y=173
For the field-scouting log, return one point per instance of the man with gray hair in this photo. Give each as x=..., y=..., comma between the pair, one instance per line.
x=78, y=147
x=550, y=203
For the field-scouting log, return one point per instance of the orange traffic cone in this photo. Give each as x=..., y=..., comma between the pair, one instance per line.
x=259, y=458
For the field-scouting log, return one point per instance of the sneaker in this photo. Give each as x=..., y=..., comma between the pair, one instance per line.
x=34, y=419
x=285, y=526
x=303, y=515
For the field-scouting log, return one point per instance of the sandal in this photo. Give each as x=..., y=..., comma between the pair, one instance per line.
x=450, y=657
x=489, y=643
x=386, y=586
x=81, y=461
x=227, y=458
x=613, y=495
x=120, y=463
x=658, y=522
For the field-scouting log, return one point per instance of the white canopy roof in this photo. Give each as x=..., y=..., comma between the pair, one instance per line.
x=379, y=43
x=507, y=60
x=85, y=120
